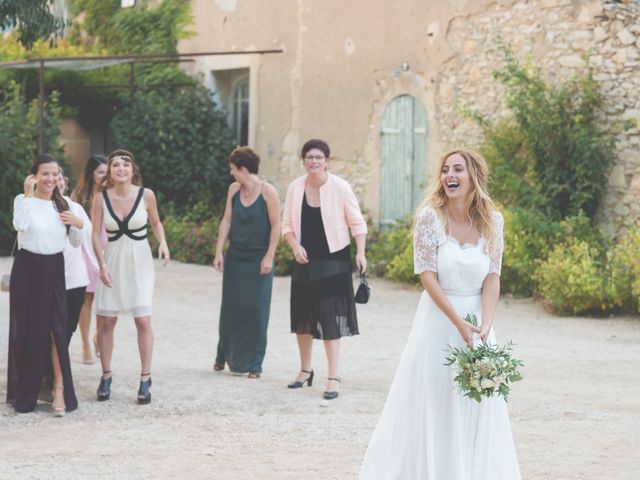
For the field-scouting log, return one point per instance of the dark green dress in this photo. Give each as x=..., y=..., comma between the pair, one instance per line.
x=246, y=295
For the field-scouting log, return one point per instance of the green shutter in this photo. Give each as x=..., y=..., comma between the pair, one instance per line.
x=403, y=166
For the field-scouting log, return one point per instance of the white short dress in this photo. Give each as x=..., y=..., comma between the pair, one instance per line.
x=129, y=260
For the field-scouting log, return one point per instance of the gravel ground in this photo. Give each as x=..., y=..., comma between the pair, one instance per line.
x=575, y=417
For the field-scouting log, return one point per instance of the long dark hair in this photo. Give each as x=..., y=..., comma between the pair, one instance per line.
x=107, y=181
x=57, y=198
x=83, y=193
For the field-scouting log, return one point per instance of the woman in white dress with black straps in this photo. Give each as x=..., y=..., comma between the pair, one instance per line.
x=126, y=268
x=428, y=430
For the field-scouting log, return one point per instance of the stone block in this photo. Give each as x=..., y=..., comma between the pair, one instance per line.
x=626, y=37
x=616, y=26
x=596, y=61
x=634, y=186
x=599, y=34
x=617, y=178
x=633, y=53
x=620, y=56
x=573, y=61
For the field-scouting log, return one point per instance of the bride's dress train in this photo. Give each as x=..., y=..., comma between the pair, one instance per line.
x=427, y=430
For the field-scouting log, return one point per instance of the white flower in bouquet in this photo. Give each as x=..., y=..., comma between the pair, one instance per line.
x=487, y=383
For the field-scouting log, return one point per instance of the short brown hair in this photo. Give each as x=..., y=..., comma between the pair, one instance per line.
x=317, y=144
x=245, y=157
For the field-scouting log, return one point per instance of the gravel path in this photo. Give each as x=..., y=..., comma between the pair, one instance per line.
x=575, y=417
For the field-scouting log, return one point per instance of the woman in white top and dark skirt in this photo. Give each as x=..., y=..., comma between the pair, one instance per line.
x=38, y=302
x=77, y=261
x=126, y=267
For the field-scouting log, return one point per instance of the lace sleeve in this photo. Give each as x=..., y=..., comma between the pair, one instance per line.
x=426, y=238
x=495, y=253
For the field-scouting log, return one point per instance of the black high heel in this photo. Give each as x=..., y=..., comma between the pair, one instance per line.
x=144, y=395
x=104, y=389
x=334, y=394
x=299, y=384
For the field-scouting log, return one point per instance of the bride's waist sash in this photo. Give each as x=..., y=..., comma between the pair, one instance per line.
x=462, y=293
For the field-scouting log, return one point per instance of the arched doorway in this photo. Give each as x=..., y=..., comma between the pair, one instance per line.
x=403, y=153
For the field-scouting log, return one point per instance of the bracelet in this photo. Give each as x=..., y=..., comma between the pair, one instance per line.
x=104, y=265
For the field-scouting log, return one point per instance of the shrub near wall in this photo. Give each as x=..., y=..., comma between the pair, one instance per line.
x=182, y=144
x=19, y=135
x=572, y=279
x=623, y=284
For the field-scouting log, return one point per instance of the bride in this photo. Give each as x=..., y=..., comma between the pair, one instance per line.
x=427, y=430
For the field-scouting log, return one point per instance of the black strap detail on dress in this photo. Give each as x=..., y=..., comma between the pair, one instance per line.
x=123, y=226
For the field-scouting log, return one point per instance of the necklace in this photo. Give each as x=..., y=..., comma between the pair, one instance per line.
x=246, y=193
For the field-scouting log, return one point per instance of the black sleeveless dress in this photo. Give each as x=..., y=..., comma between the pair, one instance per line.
x=322, y=301
x=246, y=295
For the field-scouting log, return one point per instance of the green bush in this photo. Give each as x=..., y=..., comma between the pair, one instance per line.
x=19, y=134
x=553, y=142
x=401, y=266
x=623, y=286
x=181, y=143
x=191, y=237
x=383, y=244
x=284, y=259
x=572, y=279
x=528, y=239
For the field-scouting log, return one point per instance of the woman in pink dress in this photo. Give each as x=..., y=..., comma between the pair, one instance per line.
x=92, y=174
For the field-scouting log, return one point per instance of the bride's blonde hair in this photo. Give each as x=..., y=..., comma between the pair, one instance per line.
x=480, y=208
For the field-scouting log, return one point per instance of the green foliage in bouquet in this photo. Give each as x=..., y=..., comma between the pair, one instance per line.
x=485, y=370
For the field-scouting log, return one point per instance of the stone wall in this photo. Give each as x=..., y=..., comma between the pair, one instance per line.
x=561, y=37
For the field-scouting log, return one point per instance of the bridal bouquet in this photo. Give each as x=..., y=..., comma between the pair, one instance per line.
x=485, y=370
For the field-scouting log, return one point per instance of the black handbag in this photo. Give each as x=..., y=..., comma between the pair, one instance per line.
x=364, y=290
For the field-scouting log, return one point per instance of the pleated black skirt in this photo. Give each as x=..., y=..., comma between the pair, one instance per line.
x=322, y=302
x=37, y=307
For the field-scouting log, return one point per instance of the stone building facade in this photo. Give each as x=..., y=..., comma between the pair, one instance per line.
x=382, y=81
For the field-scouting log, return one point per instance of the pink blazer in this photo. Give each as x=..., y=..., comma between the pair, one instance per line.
x=338, y=206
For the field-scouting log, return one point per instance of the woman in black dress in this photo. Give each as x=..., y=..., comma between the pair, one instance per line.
x=320, y=209
x=38, y=301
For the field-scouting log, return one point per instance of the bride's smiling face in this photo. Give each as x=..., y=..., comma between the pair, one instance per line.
x=455, y=178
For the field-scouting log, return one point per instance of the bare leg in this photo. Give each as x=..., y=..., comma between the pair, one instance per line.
x=95, y=336
x=145, y=344
x=58, y=385
x=332, y=349
x=85, y=327
x=305, y=347
x=105, y=341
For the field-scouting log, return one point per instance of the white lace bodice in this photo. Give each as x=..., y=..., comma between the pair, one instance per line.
x=461, y=268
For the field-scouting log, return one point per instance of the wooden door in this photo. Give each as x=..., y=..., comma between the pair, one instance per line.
x=403, y=167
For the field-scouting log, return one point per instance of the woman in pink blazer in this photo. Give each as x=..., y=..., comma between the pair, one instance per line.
x=319, y=210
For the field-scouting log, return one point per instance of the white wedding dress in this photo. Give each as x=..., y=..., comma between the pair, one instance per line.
x=428, y=430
